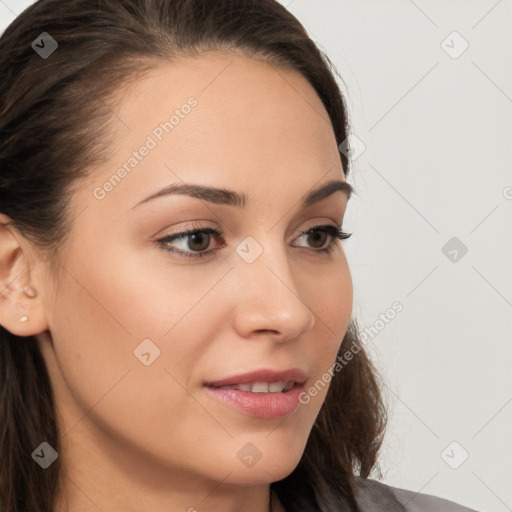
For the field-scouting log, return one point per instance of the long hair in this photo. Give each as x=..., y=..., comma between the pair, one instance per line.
x=55, y=114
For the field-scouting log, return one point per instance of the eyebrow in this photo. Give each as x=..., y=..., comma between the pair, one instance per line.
x=223, y=196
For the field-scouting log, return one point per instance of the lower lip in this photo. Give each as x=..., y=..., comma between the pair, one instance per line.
x=261, y=405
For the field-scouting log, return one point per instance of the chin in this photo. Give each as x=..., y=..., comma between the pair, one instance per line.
x=263, y=458
x=261, y=474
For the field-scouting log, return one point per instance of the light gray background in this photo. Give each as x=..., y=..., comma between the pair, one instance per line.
x=436, y=165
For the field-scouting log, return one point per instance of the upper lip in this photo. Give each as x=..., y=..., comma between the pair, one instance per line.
x=263, y=375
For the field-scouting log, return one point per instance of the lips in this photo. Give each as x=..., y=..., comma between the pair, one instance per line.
x=264, y=394
x=262, y=381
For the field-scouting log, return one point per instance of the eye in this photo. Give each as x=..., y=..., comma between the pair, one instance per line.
x=335, y=233
x=199, y=239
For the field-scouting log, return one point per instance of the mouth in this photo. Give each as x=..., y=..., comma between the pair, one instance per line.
x=265, y=380
x=261, y=387
x=262, y=393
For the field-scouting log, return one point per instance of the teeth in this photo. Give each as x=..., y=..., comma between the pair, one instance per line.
x=274, y=387
x=262, y=387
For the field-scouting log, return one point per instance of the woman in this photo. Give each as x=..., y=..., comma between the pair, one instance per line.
x=140, y=369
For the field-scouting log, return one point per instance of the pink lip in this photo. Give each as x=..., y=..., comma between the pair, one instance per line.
x=263, y=375
x=262, y=405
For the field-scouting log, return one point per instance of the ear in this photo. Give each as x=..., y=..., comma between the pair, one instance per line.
x=21, y=310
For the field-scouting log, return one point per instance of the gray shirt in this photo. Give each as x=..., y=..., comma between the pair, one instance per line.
x=375, y=496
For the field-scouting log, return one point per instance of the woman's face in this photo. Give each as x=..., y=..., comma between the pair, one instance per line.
x=135, y=331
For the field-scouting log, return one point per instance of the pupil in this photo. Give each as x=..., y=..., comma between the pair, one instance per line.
x=313, y=233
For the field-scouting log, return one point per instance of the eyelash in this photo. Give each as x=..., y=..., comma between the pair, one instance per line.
x=336, y=233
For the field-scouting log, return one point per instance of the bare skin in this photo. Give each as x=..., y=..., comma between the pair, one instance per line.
x=137, y=437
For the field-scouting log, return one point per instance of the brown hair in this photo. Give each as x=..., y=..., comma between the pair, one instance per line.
x=54, y=120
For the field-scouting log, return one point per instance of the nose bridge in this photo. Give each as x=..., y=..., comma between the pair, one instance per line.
x=267, y=296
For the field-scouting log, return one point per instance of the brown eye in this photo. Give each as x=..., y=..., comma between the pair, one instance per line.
x=317, y=238
x=198, y=241
x=194, y=242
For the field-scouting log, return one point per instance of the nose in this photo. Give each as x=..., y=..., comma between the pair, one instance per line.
x=268, y=300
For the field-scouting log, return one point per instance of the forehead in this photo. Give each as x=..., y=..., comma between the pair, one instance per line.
x=239, y=99
x=221, y=119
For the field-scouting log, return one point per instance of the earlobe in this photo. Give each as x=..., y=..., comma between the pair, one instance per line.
x=21, y=310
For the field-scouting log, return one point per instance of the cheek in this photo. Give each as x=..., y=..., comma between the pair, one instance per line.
x=332, y=306
x=113, y=358
x=330, y=297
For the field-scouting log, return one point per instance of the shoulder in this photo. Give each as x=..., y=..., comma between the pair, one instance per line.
x=374, y=496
